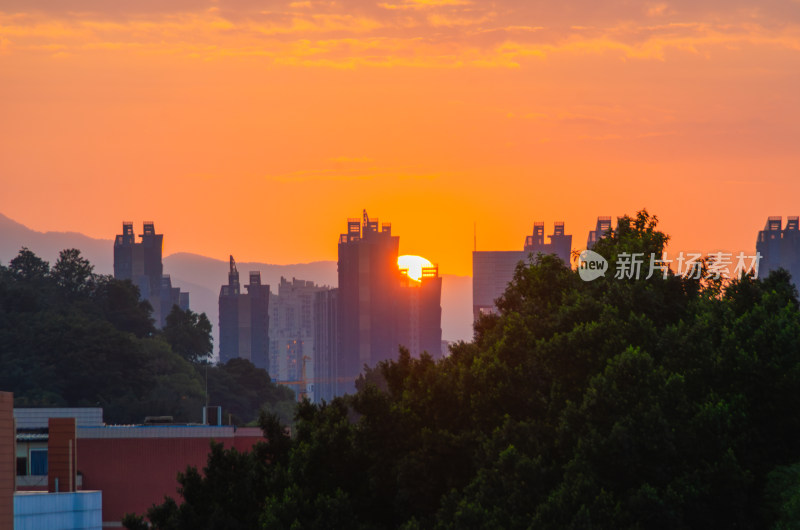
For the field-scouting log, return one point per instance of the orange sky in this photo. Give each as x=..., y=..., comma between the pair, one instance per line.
x=257, y=128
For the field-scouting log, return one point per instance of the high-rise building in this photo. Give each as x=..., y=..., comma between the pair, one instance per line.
x=780, y=246
x=326, y=345
x=292, y=334
x=172, y=296
x=420, y=315
x=560, y=243
x=493, y=270
x=141, y=263
x=379, y=307
x=244, y=319
x=369, y=280
x=600, y=231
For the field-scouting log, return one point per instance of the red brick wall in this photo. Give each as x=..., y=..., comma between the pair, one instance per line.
x=135, y=473
x=7, y=459
x=62, y=456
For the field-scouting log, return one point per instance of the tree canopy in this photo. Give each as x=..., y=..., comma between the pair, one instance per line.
x=70, y=337
x=617, y=403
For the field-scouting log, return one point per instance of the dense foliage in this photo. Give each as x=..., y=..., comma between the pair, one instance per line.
x=661, y=403
x=69, y=337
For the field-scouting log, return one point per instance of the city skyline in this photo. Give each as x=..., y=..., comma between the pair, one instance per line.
x=208, y=116
x=172, y=247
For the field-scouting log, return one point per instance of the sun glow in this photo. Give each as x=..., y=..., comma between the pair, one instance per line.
x=412, y=265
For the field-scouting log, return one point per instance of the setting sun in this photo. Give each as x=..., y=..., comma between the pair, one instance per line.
x=413, y=265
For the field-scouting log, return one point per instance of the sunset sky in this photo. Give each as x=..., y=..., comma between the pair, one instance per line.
x=257, y=128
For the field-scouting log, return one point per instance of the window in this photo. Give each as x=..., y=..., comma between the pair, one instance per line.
x=38, y=461
x=22, y=466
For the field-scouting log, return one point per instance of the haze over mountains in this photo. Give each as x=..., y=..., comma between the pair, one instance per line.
x=202, y=276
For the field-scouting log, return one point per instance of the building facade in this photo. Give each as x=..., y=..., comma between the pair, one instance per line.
x=128, y=467
x=244, y=319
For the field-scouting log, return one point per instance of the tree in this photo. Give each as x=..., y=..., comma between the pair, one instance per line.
x=73, y=274
x=29, y=267
x=230, y=492
x=659, y=403
x=120, y=304
x=242, y=390
x=189, y=334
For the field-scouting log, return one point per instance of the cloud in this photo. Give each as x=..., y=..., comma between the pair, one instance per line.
x=351, y=34
x=424, y=4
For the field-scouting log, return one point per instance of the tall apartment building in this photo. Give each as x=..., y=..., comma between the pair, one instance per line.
x=326, y=345
x=141, y=263
x=292, y=334
x=420, y=315
x=493, y=270
x=379, y=309
x=600, y=231
x=244, y=319
x=779, y=246
x=368, y=283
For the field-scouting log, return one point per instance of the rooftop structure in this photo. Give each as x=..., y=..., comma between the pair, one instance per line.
x=601, y=230
x=779, y=246
x=37, y=418
x=560, y=243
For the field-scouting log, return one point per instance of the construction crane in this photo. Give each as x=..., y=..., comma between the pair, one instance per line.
x=304, y=381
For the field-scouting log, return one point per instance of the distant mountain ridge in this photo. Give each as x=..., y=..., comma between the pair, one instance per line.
x=47, y=245
x=202, y=276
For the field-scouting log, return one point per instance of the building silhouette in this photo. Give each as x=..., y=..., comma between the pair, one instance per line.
x=493, y=270
x=141, y=263
x=420, y=315
x=292, y=335
x=326, y=345
x=560, y=243
x=379, y=308
x=368, y=284
x=171, y=296
x=244, y=319
x=779, y=246
x=600, y=231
